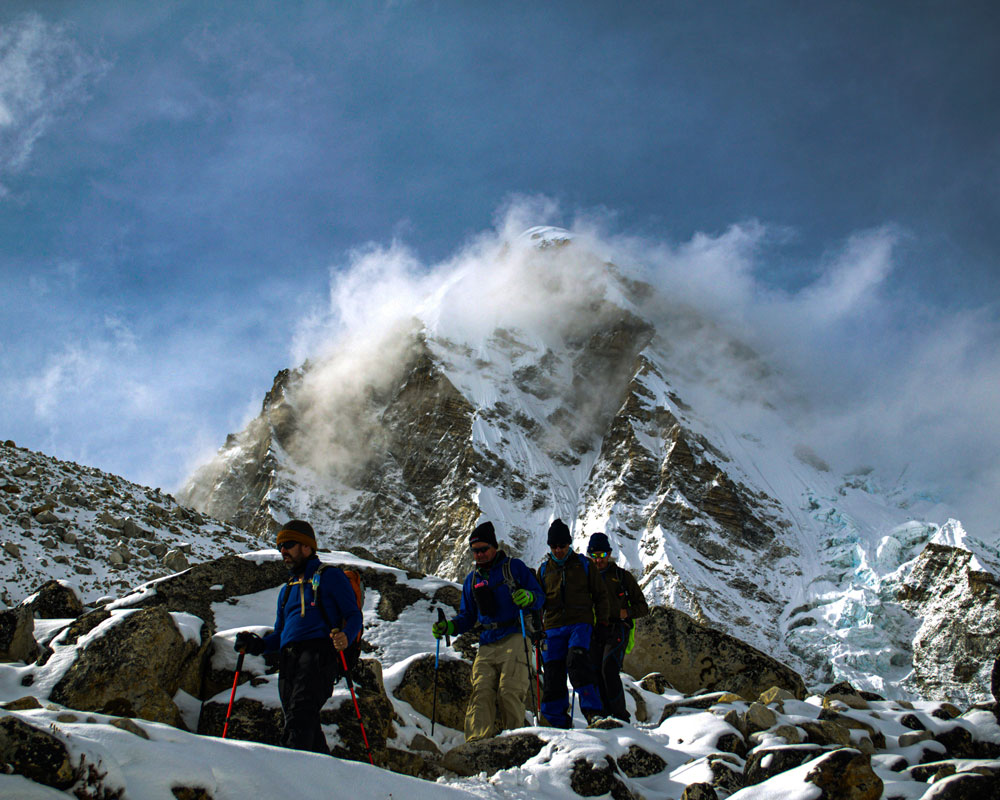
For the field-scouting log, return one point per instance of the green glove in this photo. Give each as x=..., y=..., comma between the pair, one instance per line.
x=523, y=598
x=446, y=628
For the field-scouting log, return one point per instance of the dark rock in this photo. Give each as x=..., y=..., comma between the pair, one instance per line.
x=845, y=775
x=36, y=754
x=52, y=600
x=965, y=786
x=825, y=732
x=778, y=759
x=726, y=775
x=913, y=722
x=699, y=791
x=588, y=780
x=454, y=685
x=492, y=755
x=698, y=702
x=251, y=721
x=732, y=743
x=17, y=641
x=693, y=657
x=957, y=741
x=935, y=769
x=639, y=763
x=191, y=793
x=192, y=591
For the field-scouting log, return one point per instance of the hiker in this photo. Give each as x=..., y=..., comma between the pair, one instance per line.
x=625, y=603
x=318, y=619
x=576, y=601
x=495, y=594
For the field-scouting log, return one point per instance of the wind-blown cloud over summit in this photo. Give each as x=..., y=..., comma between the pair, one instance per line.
x=867, y=375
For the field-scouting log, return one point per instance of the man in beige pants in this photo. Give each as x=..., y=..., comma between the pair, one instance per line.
x=495, y=594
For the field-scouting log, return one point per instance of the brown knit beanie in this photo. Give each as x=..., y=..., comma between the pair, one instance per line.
x=297, y=531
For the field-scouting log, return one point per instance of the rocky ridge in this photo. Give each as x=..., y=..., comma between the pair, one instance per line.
x=93, y=530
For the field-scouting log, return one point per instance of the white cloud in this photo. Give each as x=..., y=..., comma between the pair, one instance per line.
x=42, y=72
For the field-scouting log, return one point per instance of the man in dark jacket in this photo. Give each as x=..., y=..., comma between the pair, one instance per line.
x=318, y=618
x=495, y=594
x=625, y=603
x=575, y=601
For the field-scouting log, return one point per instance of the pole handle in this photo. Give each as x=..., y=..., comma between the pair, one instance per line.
x=442, y=618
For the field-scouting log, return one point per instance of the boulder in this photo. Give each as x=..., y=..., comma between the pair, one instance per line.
x=845, y=775
x=699, y=791
x=846, y=694
x=694, y=657
x=53, y=600
x=193, y=591
x=766, y=762
x=176, y=561
x=590, y=780
x=492, y=755
x=134, y=670
x=454, y=684
x=964, y=786
x=639, y=763
x=17, y=641
x=35, y=753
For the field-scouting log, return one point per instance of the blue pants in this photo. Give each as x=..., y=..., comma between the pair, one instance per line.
x=567, y=651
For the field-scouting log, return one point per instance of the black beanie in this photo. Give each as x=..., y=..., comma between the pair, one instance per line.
x=598, y=544
x=484, y=533
x=559, y=534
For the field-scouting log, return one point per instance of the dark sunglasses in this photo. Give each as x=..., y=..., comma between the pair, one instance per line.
x=599, y=555
x=480, y=549
x=287, y=545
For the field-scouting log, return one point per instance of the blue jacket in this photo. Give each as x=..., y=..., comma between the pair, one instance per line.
x=300, y=619
x=506, y=618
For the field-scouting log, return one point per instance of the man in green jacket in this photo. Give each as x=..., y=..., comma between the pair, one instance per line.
x=575, y=601
x=625, y=602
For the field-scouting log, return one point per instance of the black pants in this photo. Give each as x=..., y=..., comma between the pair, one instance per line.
x=305, y=682
x=606, y=656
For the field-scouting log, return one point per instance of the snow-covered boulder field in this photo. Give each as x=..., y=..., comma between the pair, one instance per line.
x=128, y=700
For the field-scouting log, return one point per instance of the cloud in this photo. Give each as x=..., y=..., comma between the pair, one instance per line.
x=43, y=71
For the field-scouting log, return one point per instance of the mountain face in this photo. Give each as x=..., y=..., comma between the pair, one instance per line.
x=547, y=384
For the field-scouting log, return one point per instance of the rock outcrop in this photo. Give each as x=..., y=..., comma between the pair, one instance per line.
x=691, y=657
x=134, y=669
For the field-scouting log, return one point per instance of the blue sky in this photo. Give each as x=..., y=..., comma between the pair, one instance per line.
x=178, y=180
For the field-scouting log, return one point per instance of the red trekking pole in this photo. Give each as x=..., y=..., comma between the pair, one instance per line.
x=236, y=679
x=350, y=685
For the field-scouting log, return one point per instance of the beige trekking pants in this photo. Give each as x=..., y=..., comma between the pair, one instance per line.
x=499, y=678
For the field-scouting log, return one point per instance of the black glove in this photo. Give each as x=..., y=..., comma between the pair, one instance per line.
x=250, y=642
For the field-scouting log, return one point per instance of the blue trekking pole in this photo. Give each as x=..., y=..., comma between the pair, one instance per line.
x=437, y=661
x=527, y=659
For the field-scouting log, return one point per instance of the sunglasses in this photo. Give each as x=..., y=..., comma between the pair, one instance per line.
x=480, y=549
x=287, y=545
x=598, y=555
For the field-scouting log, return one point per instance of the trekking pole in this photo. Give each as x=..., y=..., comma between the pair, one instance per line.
x=232, y=697
x=357, y=710
x=527, y=659
x=572, y=710
x=538, y=674
x=437, y=662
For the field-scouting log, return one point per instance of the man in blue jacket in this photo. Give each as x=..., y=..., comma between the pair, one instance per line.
x=318, y=618
x=495, y=594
